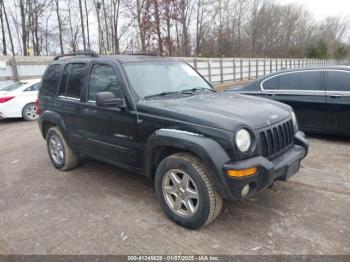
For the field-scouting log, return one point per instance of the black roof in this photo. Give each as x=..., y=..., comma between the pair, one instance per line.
x=340, y=67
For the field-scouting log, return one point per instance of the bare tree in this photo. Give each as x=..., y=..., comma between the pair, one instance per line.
x=82, y=24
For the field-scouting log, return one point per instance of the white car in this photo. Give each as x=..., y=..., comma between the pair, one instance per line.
x=18, y=99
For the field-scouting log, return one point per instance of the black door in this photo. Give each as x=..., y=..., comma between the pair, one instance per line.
x=68, y=102
x=304, y=91
x=338, y=100
x=109, y=132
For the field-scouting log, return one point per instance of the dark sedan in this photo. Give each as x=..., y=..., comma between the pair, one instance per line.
x=320, y=97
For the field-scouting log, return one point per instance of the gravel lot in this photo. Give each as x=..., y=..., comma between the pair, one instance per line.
x=100, y=209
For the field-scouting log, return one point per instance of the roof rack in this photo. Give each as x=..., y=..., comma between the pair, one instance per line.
x=89, y=53
x=150, y=54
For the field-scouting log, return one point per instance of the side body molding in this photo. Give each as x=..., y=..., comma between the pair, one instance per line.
x=209, y=151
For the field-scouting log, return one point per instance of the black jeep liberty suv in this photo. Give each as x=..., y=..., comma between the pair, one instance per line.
x=159, y=117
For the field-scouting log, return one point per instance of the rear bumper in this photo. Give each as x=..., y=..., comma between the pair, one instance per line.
x=280, y=168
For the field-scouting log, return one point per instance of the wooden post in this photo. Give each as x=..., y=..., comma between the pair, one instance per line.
x=234, y=70
x=221, y=71
x=249, y=69
x=209, y=70
x=241, y=68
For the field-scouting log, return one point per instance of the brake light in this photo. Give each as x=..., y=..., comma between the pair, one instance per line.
x=6, y=98
x=39, y=111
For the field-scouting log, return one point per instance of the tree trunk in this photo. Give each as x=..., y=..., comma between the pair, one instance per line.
x=3, y=32
x=106, y=24
x=8, y=29
x=100, y=33
x=59, y=26
x=82, y=23
x=23, y=25
x=116, y=22
x=160, y=44
x=141, y=29
x=168, y=25
x=87, y=26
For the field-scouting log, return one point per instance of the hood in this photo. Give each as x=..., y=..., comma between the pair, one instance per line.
x=220, y=110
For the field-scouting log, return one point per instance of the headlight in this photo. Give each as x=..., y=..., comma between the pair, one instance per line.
x=243, y=140
x=295, y=121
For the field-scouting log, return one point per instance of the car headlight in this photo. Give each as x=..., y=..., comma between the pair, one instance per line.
x=295, y=121
x=243, y=140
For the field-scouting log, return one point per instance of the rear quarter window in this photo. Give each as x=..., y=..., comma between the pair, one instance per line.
x=50, y=80
x=72, y=80
x=271, y=84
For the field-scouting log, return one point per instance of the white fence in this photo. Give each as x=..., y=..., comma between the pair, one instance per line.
x=220, y=70
x=216, y=70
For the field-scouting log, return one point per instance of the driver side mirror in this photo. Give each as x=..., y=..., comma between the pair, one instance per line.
x=107, y=99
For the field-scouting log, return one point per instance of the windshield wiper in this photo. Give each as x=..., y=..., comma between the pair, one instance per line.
x=198, y=89
x=185, y=91
x=163, y=94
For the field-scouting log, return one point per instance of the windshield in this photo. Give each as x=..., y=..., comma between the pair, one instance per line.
x=159, y=78
x=13, y=86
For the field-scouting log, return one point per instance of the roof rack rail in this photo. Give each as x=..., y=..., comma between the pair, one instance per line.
x=150, y=54
x=89, y=53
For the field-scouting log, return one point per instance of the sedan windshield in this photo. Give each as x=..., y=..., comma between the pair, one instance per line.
x=150, y=79
x=13, y=86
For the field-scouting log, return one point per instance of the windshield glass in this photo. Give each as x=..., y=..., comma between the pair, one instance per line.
x=153, y=78
x=13, y=86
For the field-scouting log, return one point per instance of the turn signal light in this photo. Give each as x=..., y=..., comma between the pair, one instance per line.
x=6, y=98
x=242, y=172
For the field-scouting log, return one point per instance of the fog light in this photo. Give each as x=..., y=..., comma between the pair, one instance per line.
x=245, y=190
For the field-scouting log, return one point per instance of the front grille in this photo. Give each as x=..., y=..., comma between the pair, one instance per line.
x=277, y=138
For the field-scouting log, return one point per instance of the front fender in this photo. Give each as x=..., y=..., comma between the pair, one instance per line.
x=211, y=153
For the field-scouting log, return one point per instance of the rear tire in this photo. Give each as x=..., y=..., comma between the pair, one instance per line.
x=185, y=191
x=29, y=112
x=62, y=157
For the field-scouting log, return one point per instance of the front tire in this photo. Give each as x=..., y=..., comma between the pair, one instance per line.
x=62, y=157
x=185, y=191
x=29, y=112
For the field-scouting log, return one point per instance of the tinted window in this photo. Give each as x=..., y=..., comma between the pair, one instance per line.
x=50, y=80
x=338, y=81
x=301, y=81
x=74, y=80
x=271, y=83
x=103, y=78
x=34, y=87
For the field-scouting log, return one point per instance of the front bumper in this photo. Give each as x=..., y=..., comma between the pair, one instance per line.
x=280, y=168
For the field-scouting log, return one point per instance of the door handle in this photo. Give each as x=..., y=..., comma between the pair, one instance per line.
x=336, y=96
x=270, y=94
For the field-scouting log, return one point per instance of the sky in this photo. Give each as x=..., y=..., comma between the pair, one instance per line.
x=323, y=8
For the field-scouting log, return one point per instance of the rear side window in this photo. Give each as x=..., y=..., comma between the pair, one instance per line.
x=301, y=81
x=50, y=80
x=103, y=78
x=34, y=87
x=338, y=81
x=72, y=80
x=271, y=84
